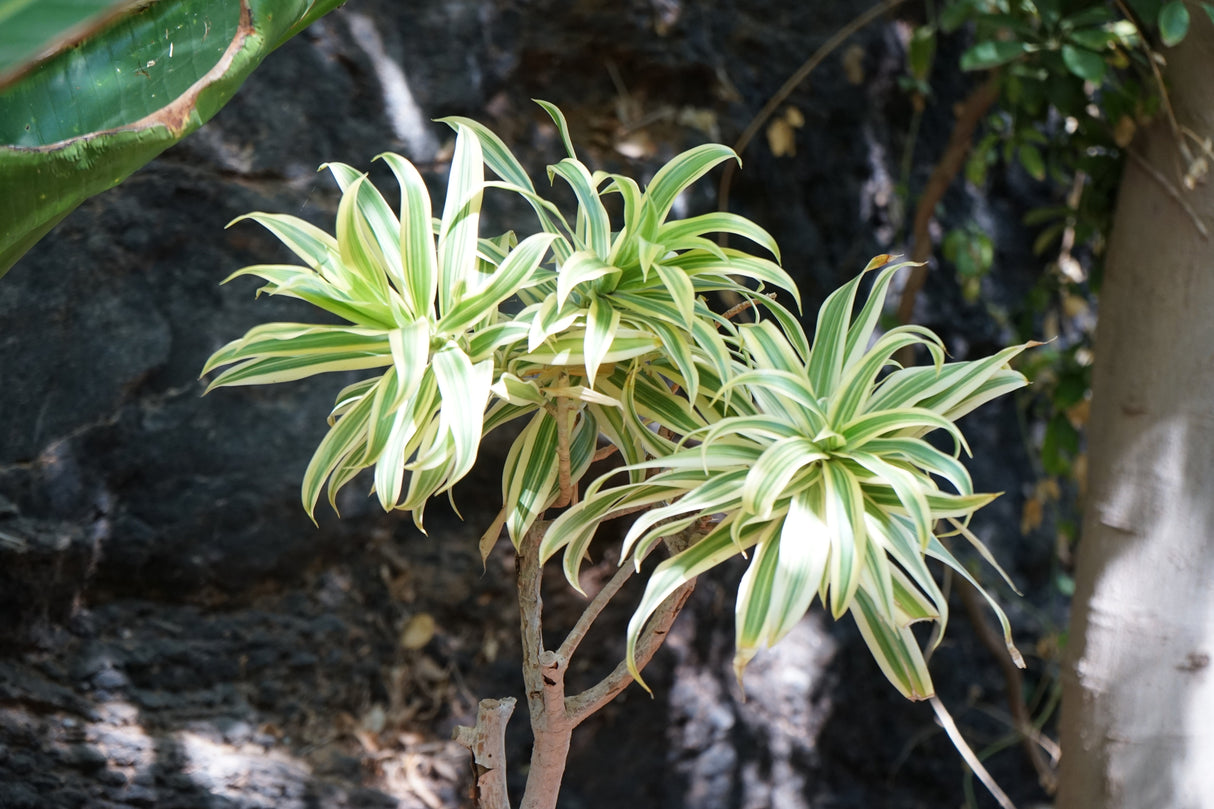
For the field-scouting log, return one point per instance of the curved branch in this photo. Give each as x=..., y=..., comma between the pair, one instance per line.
x=828, y=47
x=969, y=115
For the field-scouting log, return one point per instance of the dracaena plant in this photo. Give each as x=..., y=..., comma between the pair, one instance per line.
x=821, y=472
x=598, y=334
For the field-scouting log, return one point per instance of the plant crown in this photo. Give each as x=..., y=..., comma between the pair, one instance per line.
x=809, y=459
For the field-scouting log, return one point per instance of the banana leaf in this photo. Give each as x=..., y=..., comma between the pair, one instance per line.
x=91, y=90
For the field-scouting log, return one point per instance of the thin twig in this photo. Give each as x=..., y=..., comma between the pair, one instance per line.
x=1171, y=190
x=1158, y=76
x=734, y=311
x=604, y=452
x=950, y=727
x=582, y=705
x=1014, y=683
x=839, y=37
x=594, y=608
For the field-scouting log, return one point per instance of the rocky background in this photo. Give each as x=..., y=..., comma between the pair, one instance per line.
x=174, y=631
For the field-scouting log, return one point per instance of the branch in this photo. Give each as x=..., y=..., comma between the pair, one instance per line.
x=582, y=705
x=531, y=605
x=578, y=707
x=734, y=311
x=968, y=116
x=487, y=743
x=564, y=472
x=594, y=608
x=1014, y=681
x=544, y=676
x=840, y=36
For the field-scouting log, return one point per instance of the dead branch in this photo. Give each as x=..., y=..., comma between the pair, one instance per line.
x=487, y=743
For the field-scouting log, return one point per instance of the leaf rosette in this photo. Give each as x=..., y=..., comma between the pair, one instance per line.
x=420, y=297
x=611, y=318
x=821, y=474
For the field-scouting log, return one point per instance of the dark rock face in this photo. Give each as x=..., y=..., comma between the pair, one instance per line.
x=176, y=632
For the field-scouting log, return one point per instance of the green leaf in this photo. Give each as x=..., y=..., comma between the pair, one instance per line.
x=602, y=323
x=1088, y=19
x=344, y=439
x=1034, y=164
x=896, y=651
x=383, y=240
x=581, y=268
x=1083, y=63
x=457, y=234
x=1097, y=40
x=263, y=371
x=1173, y=22
x=288, y=339
x=844, y=514
x=921, y=52
x=937, y=550
x=530, y=476
x=717, y=222
x=464, y=388
x=781, y=582
x=594, y=226
x=954, y=15
x=908, y=487
x=1208, y=8
x=830, y=338
x=764, y=271
x=992, y=53
x=706, y=495
x=318, y=249
x=888, y=423
x=767, y=479
x=515, y=272
x=683, y=170
x=419, y=281
x=360, y=253
x=389, y=449
x=98, y=108
x=570, y=349
x=562, y=126
x=713, y=549
x=860, y=333
x=856, y=384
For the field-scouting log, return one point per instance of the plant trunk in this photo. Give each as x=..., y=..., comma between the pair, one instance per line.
x=1138, y=691
x=553, y=733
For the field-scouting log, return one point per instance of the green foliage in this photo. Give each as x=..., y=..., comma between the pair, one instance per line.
x=820, y=470
x=78, y=121
x=31, y=27
x=1077, y=79
x=811, y=459
x=972, y=253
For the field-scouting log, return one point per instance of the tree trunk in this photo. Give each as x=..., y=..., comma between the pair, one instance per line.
x=1138, y=692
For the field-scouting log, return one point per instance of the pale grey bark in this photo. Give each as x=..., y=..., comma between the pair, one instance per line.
x=1138, y=695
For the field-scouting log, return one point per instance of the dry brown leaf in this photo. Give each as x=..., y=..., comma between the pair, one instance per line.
x=1077, y=414
x=782, y=133
x=418, y=631
x=1123, y=131
x=853, y=64
x=1032, y=514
